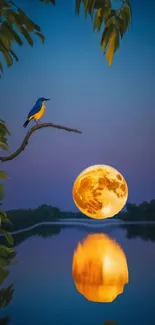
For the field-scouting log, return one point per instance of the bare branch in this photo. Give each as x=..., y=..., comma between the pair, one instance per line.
x=29, y=133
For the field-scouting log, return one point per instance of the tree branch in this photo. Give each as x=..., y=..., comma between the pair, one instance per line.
x=29, y=133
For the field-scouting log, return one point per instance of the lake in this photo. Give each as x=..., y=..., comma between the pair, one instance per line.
x=45, y=293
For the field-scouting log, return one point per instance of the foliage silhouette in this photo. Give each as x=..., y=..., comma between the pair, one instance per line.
x=25, y=218
x=4, y=320
x=15, y=26
x=6, y=253
x=22, y=219
x=6, y=296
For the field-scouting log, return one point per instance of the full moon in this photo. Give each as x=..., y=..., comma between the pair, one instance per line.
x=100, y=191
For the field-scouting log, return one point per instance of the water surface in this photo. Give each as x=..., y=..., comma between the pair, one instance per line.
x=44, y=291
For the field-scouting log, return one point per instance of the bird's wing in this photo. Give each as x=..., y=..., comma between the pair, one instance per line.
x=36, y=108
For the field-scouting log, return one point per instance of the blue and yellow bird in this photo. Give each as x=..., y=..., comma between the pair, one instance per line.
x=37, y=111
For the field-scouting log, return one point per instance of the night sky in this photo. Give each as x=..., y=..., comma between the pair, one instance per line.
x=113, y=107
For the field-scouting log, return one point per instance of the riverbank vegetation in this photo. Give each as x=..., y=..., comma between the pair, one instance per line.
x=45, y=213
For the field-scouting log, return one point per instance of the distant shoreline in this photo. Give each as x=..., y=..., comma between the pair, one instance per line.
x=89, y=223
x=25, y=219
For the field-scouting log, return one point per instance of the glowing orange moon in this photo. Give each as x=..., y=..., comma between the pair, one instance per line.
x=99, y=268
x=100, y=191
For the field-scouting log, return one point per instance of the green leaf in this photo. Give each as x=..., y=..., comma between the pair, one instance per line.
x=102, y=4
x=1, y=192
x=90, y=6
x=120, y=25
x=14, y=55
x=9, y=15
x=125, y=14
x=4, y=218
x=14, y=34
x=1, y=67
x=3, y=146
x=4, y=261
x=41, y=36
x=77, y=6
x=127, y=10
x=106, y=36
x=3, y=175
x=7, y=58
x=110, y=21
x=8, y=236
x=25, y=20
x=6, y=296
x=48, y=1
x=26, y=35
x=6, y=251
x=98, y=20
x=3, y=127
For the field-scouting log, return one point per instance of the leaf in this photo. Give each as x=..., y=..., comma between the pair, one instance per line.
x=6, y=251
x=41, y=36
x=127, y=10
x=3, y=146
x=77, y=6
x=1, y=192
x=9, y=15
x=7, y=58
x=98, y=19
x=110, y=21
x=4, y=261
x=120, y=26
x=3, y=127
x=101, y=15
x=14, y=34
x=125, y=14
x=5, y=298
x=8, y=236
x=48, y=1
x=1, y=67
x=3, y=175
x=14, y=55
x=4, y=218
x=26, y=35
x=102, y=4
x=106, y=36
x=113, y=45
x=86, y=4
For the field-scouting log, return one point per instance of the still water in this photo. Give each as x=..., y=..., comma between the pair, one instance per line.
x=44, y=291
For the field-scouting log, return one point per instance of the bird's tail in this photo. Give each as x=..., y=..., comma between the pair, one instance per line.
x=26, y=123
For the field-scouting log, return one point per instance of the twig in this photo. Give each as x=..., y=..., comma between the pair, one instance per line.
x=29, y=133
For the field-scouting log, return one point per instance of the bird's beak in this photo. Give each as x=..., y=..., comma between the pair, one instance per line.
x=47, y=99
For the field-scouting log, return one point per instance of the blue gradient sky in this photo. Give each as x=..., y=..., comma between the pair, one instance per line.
x=114, y=107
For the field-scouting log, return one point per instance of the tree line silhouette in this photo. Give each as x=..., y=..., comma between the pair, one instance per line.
x=24, y=218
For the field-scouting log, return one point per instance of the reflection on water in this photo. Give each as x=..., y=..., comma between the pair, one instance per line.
x=99, y=268
x=133, y=230
x=43, y=291
x=6, y=256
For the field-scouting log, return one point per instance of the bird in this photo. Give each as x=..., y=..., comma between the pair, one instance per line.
x=37, y=111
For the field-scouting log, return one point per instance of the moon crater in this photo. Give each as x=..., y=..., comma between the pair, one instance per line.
x=100, y=191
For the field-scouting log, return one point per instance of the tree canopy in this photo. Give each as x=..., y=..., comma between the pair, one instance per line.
x=15, y=26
